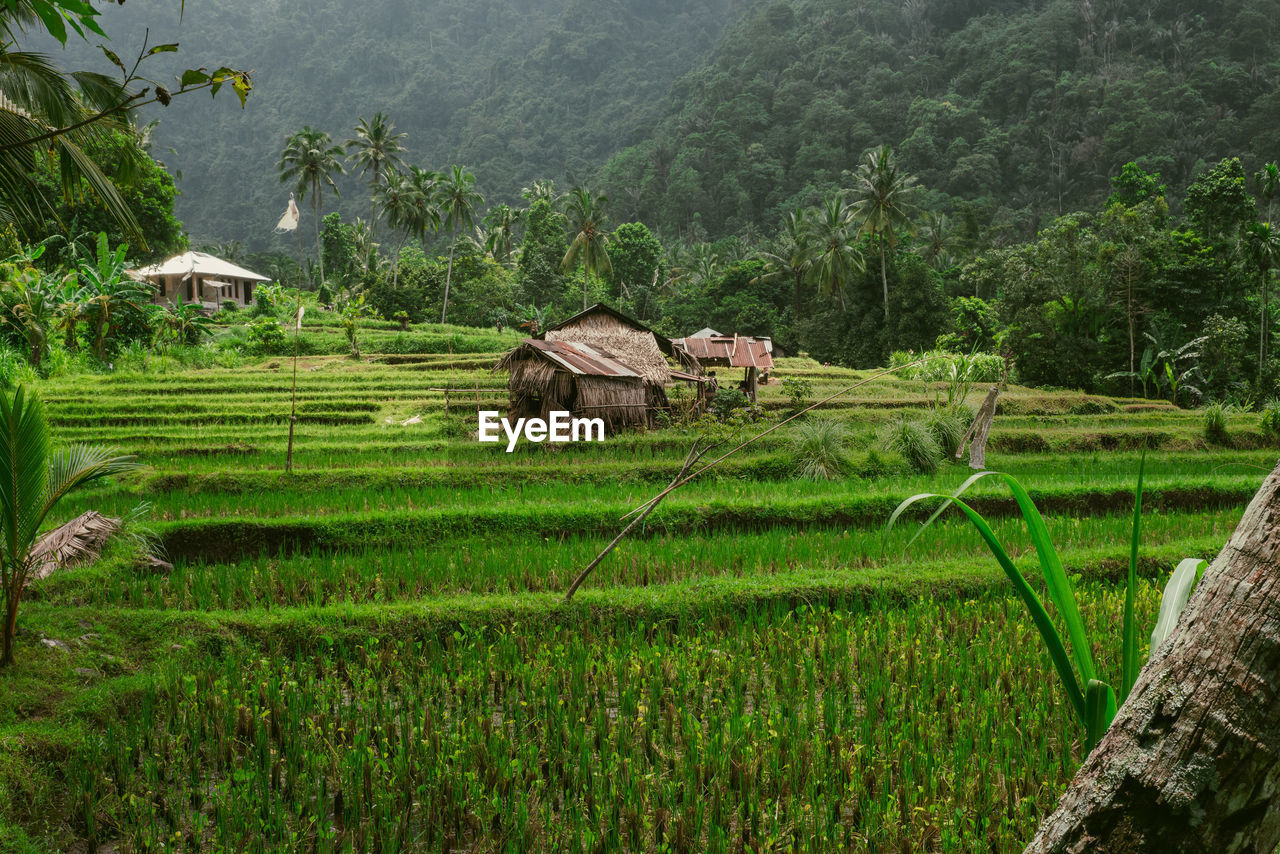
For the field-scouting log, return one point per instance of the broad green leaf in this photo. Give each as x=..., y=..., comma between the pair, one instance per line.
x=1039, y=616
x=1055, y=578
x=1100, y=711
x=193, y=77
x=1174, y=599
x=163, y=48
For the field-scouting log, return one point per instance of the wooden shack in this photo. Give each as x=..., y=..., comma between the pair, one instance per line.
x=598, y=363
x=753, y=355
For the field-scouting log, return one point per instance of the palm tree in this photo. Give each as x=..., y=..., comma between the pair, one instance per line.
x=590, y=243
x=458, y=202
x=1267, y=181
x=1264, y=250
x=836, y=259
x=45, y=111
x=30, y=307
x=310, y=160
x=792, y=256
x=935, y=240
x=426, y=211
x=184, y=322
x=34, y=480
x=540, y=190
x=375, y=147
x=397, y=200
x=500, y=222
x=881, y=204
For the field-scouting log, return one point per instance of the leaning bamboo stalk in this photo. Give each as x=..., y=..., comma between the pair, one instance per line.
x=690, y=460
x=682, y=477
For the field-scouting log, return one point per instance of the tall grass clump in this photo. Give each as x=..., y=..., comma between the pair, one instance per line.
x=947, y=425
x=1215, y=422
x=912, y=440
x=819, y=450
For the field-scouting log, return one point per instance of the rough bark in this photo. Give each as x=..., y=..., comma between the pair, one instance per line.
x=1191, y=762
x=979, y=431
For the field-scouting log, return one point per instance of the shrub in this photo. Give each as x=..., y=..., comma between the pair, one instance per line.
x=266, y=336
x=725, y=401
x=1215, y=421
x=230, y=306
x=947, y=426
x=913, y=441
x=819, y=450
x=324, y=295
x=798, y=390
x=1270, y=421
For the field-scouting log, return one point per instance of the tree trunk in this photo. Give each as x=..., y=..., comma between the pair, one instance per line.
x=884, y=278
x=317, y=205
x=10, y=623
x=1192, y=761
x=453, y=244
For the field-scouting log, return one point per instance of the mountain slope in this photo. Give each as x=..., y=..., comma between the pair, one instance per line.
x=1023, y=107
x=513, y=89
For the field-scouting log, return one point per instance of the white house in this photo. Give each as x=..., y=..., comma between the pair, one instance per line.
x=199, y=277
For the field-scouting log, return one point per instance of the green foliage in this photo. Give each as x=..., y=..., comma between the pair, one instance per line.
x=266, y=336
x=947, y=425
x=1094, y=701
x=1215, y=421
x=913, y=439
x=1270, y=419
x=638, y=271
x=36, y=478
x=144, y=186
x=544, y=247
x=818, y=448
x=799, y=391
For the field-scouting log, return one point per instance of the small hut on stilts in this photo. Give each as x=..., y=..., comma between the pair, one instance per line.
x=753, y=355
x=597, y=364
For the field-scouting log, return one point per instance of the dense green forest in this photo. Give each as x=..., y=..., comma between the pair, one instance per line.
x=1012, y=111
x=715, y=118
x=514, y=89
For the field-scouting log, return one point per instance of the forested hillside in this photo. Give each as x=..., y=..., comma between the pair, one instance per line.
x=513, y=89
x=1024, y=108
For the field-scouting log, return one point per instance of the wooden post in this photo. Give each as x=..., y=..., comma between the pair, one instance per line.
x=1192, y=760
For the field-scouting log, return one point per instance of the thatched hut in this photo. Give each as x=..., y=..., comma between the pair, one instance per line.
x=597, y=364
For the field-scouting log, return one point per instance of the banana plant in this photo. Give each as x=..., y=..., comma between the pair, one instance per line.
x=1093, y=701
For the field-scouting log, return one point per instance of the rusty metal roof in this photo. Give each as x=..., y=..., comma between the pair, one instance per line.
x=735, y=351
x=750, y=353
x=582, y=359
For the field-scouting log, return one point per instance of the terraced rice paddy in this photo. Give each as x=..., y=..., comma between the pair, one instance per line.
x=373, y=651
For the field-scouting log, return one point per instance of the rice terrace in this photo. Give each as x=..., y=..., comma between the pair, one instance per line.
x=803, y=426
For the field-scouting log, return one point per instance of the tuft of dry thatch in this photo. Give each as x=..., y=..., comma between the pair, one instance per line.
x=77, y=542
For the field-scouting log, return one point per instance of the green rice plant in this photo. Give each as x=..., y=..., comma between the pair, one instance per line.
x=816, y=727
x=913, y=440
x=947, y=425
x=819, y=449
x=1095, y=701
x=1215, y=421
